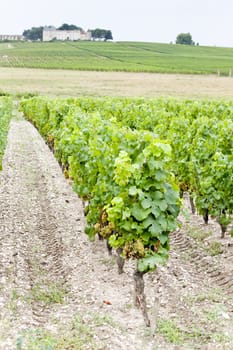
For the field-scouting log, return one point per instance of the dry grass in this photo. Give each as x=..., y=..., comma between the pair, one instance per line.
x=77, y=83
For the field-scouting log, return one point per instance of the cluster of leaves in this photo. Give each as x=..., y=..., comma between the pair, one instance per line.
x=123, y=174
x=5, y=116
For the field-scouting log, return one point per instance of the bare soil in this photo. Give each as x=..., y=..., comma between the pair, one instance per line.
x=79, y=83
x=60, y=291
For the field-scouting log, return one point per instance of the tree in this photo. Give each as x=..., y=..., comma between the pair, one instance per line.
x=66, y=26
x=184, y=39
x=35, y=33
x=97, y=33
x=108, y=35
x=101, y=34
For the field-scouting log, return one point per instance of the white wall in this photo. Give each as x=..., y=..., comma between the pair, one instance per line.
x=72, y=35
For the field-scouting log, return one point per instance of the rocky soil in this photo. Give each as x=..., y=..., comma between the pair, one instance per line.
x=60, y=291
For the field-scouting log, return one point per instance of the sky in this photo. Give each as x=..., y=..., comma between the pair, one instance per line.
x=209, y=22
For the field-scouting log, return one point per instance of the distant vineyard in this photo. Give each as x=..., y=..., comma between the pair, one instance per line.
x=118, y=56
x=5, y=115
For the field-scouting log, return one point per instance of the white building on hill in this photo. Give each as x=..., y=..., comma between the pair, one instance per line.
x=51, y=33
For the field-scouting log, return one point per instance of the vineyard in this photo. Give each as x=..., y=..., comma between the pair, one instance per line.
x=118, y=56
x=123, y=130
x=130, y=178
x=144, y=169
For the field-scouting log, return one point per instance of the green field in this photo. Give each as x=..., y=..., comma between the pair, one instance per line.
x=118, y=56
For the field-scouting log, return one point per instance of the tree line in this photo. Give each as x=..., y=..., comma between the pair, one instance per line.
x=36, y=33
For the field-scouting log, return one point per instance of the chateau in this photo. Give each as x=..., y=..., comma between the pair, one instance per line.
x=51, y=33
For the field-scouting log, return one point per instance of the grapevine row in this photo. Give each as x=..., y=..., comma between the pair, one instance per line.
x=123, y=174
x=201, y=136
x=5, y=116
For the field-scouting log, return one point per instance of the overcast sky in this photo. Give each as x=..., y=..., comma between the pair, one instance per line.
x=210, y=22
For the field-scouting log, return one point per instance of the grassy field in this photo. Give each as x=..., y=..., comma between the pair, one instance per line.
x=118, y=56
x=65, y=83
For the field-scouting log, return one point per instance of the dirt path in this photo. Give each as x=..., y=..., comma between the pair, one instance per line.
x=59, y=291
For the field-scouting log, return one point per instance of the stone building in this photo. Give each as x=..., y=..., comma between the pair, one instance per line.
x=11, y=37
x=51, y=33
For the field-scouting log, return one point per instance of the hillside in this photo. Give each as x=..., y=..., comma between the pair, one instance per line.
x=118, y=56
